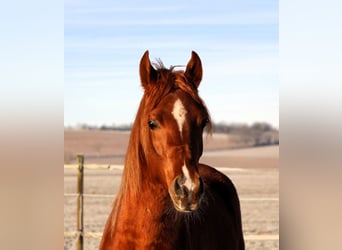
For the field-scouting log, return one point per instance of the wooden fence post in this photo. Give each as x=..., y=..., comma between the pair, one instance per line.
x=80, y=160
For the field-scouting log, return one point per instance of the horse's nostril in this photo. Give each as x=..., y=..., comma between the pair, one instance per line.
x=178, y=188
x=185, y=190
x=186, y=195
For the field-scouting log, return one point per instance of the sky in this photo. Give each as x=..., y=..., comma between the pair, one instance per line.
x=237, y=42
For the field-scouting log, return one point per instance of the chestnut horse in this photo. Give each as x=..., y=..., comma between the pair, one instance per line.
x=167, y=199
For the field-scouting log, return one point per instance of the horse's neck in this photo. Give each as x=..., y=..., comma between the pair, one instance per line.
x=145, y=220
x=145, y=208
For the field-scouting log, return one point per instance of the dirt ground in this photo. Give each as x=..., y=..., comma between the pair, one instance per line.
x=109, y=147
x=254, y=171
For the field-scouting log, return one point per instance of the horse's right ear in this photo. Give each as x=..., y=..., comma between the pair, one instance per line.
x=148, y=74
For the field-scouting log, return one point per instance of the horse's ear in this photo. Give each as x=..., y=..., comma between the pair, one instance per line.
x=148, y=74
x=193, y=70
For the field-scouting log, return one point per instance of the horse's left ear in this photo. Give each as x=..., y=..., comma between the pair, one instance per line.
x=193, y=70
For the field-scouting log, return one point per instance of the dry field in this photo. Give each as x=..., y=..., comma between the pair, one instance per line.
x=254, y=172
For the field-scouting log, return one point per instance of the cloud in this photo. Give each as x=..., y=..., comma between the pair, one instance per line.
x=120, y=10
x=263, y=65
x=264, y=18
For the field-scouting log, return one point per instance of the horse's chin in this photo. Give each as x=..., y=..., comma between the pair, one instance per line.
x=182, y=205
x=182, y=209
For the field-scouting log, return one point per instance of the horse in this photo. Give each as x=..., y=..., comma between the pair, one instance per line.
x=167, y=199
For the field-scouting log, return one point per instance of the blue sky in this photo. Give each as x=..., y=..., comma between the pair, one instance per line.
x=236, y=40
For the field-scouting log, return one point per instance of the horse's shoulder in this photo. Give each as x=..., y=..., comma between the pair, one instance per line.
x=220, y=187
x=213, y=176
x=217, y=182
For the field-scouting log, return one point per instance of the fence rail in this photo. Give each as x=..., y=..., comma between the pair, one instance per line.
x=248, y=237
x=114, y=195
x=94, y=166
x=80, y=234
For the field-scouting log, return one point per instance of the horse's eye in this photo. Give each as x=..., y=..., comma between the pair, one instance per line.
x=205, y=122
x=152, y=124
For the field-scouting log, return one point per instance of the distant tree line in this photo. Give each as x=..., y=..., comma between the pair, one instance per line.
x=84, y=126
x=257, y=134
x=123, y=127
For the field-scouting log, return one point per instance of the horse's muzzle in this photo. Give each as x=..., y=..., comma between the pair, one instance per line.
x=186, y=194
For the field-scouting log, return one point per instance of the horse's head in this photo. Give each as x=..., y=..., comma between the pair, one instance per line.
x=172, y=124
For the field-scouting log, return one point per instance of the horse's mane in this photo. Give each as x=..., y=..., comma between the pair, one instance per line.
x=168, y=80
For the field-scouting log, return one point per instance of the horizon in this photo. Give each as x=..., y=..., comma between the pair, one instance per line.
x=128, y=126
x=236, y=41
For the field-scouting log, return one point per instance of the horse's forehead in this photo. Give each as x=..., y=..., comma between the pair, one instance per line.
x=179, y=113
x=180, y=105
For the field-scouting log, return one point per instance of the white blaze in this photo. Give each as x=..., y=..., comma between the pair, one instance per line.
x=179, y=113
x=188, y=182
